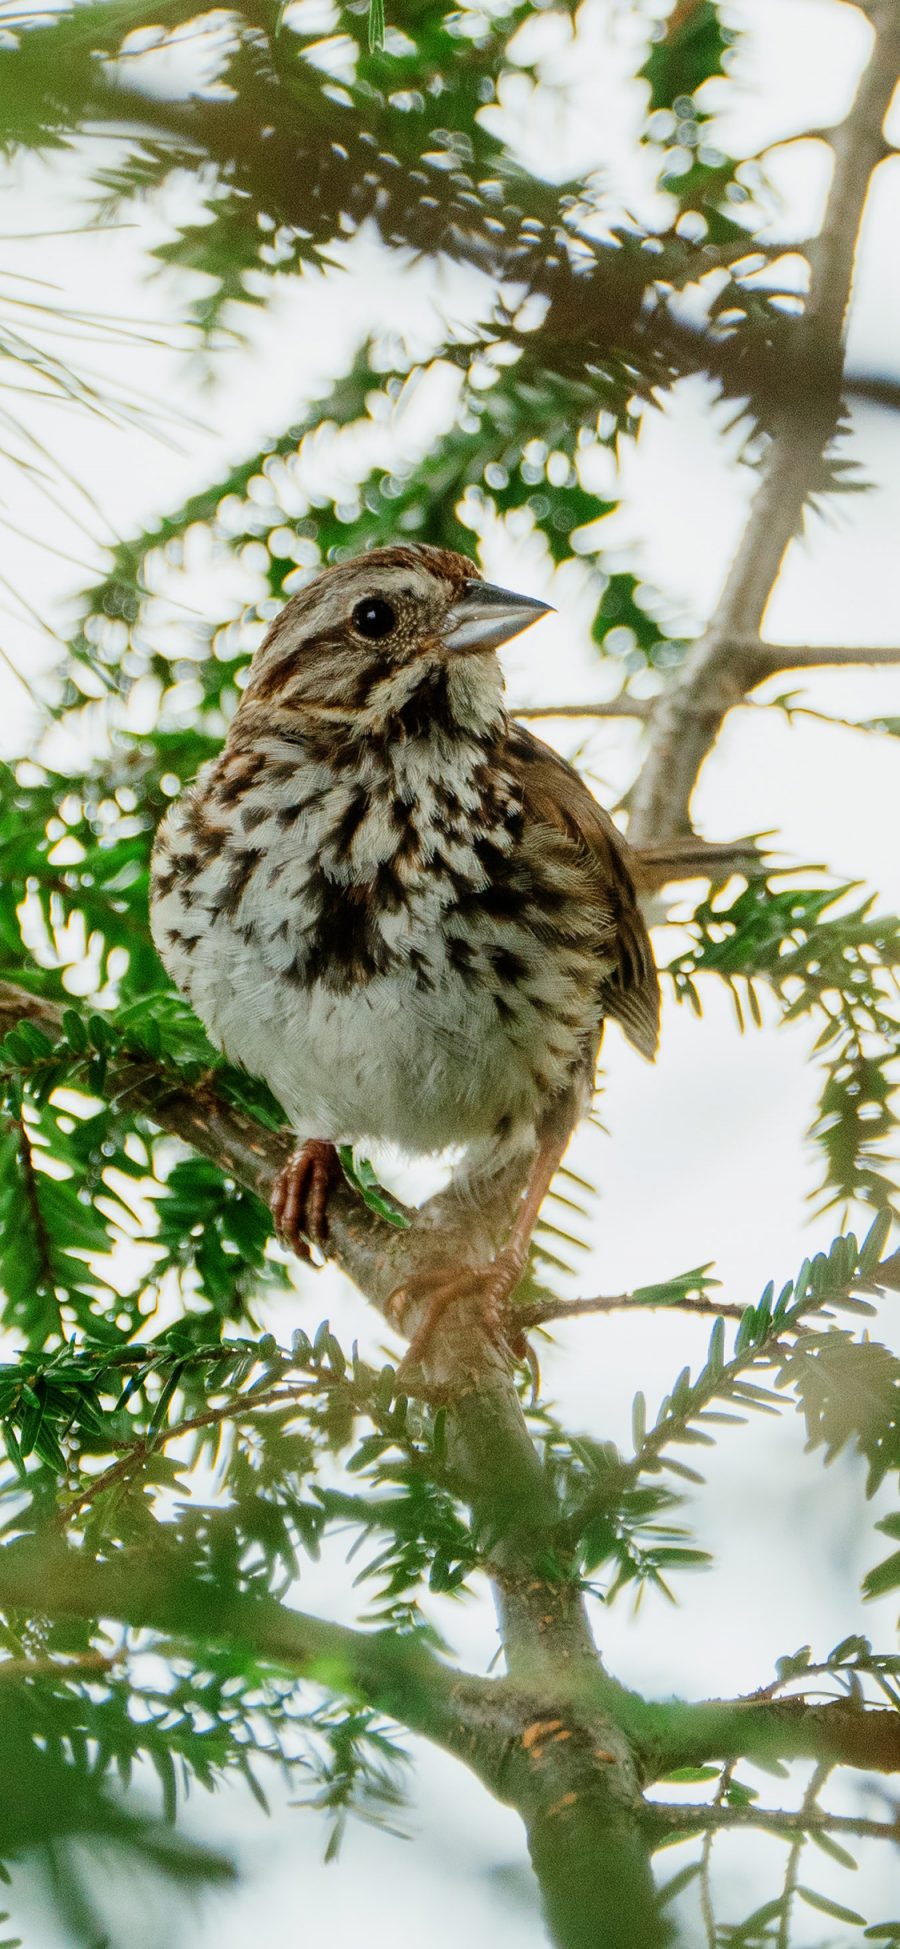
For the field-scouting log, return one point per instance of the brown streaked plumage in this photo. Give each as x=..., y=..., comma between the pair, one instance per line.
x=406, y=913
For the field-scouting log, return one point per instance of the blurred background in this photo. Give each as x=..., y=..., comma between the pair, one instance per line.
x=703, y=1157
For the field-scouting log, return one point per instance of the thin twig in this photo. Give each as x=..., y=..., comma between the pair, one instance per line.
x=14, y=1669
x=808, y=1812
x=806, y=416
x=42, y=1239
x=639, y=707
x=706, y=1896
x=141, y=1450
x=802, y=1821
x=571, y=1309
x=820, y=1669
x=771, y=658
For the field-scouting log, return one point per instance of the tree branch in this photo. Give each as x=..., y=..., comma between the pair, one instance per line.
x=843, y=1732
x=14, y=1670
x=573, y=1309
x=571, y=1779
x=771, y=658
x=716, y=674
x=693, y=1820
x=395, y=1674
x=376, y=1256
x=139, y=1451
x=614, y=707
x=46, y=1282
x=488, y=1442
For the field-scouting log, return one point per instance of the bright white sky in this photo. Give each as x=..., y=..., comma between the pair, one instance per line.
x=706, y=1158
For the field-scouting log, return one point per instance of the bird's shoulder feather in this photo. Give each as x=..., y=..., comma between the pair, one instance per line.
x=555, y=796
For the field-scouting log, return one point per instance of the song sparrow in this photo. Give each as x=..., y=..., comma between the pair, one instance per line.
x=403, y=911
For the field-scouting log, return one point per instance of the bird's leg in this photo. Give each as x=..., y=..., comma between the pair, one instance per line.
x=300, y=1196
x=489, y=1287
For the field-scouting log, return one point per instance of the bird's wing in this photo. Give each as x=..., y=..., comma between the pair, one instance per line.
x=554, y=795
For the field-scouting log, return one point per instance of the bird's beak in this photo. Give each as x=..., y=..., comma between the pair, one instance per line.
x=483, y=617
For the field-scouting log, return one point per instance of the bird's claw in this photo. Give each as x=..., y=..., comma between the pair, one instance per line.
x=485, y=1289
x=300, y=1197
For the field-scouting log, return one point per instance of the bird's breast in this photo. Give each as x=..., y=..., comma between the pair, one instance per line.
x=366, y=939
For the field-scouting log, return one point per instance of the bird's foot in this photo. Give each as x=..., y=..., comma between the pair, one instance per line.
x=300, y=1196
x=485, y=1290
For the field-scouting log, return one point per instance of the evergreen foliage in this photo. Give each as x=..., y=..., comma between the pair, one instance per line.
x=166, y=1484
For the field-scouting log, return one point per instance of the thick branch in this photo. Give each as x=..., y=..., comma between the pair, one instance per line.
x=716, y=674
x=842, y=1732
x=489, y=1447
x=571, y=1779
x=395, y=1674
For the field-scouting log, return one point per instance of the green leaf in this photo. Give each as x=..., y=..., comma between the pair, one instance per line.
x=830, y=1846
x=827, y=1907
x=872, y=1248
x=361, y=1176
x=884, y=1577
x=692, y=1775
x=376, y=25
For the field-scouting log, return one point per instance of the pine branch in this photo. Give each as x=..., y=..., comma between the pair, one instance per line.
x=768, y=1336
x=637, y=707
x=398, y=1675
x=716, y=675
x=842, y=1733
x=543, y=1622
x=574, y=1784
x=139, y=1452
x=771, y=658
x=543, y=1311
x=560, y=1741
x=802, y=1821
x=42, y=1240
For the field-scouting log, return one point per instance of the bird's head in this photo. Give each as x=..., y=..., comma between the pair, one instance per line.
x=364, y=639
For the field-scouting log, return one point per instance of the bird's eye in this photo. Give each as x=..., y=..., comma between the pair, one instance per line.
x=373, y=617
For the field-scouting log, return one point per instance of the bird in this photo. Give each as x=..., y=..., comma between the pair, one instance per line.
x=398, y=906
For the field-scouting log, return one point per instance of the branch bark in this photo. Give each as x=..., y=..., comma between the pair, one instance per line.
x=570, y=1776
x=697, y=1820
x=772, y=658
x=395, y=1674
x=579, y=1796
x=842, y=1732
x=729, y=659
x=543, y=1311
x=614, y=707
x=558, y=1739
x=767, y=658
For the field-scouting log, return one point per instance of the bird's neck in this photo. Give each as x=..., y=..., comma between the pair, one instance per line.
x=439, y=701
